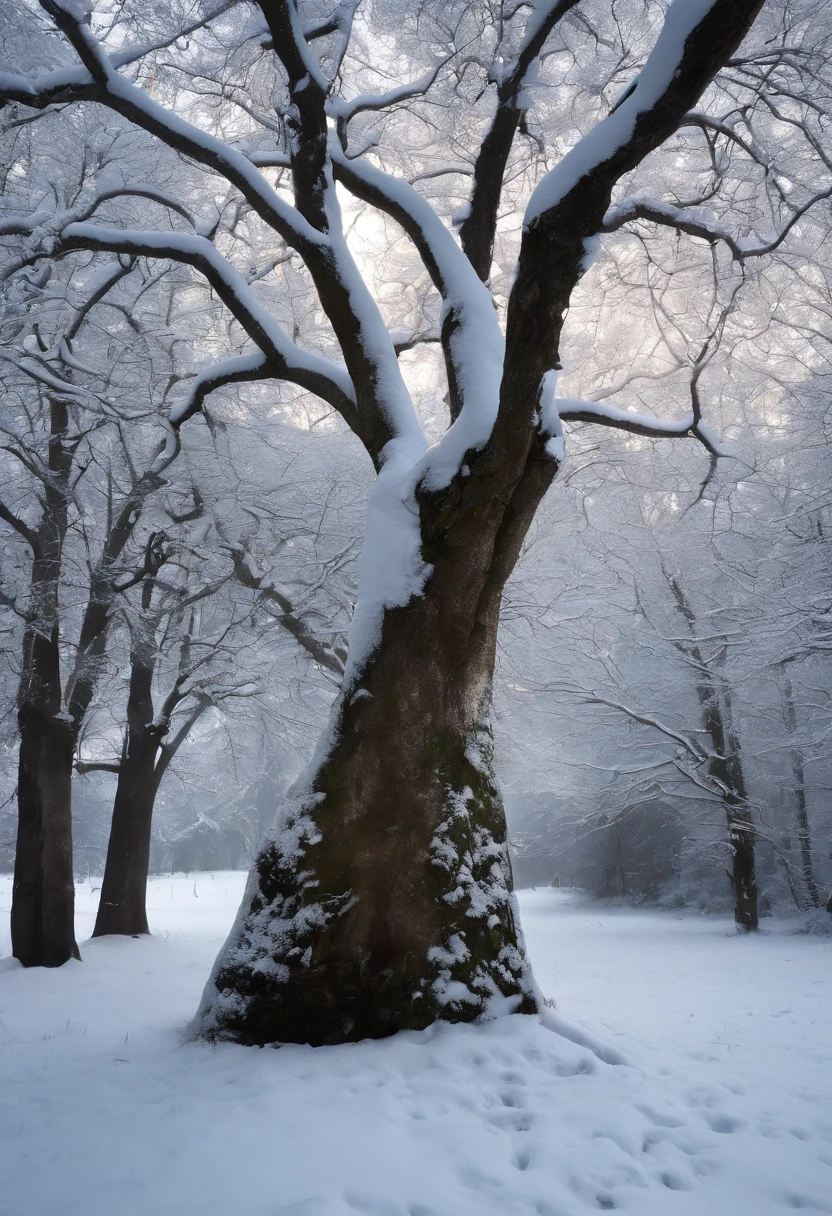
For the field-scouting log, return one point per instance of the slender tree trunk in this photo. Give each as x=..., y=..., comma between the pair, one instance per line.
x=804, y=834
x=726, y=768
x=384, y=901
x=122, y=905
x=145, y=757
x=741, y=837
x=43, y=893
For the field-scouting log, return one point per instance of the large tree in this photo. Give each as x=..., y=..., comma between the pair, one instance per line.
x=383, y=901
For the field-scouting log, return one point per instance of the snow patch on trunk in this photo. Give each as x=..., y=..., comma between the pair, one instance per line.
x=604, y=140
x=391, y=569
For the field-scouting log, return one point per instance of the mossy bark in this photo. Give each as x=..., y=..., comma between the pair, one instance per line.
x=384, y=901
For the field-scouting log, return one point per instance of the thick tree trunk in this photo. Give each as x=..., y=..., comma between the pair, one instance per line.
x=122, y=905
x=384, y=902
x=43, y=892
x=43, y=899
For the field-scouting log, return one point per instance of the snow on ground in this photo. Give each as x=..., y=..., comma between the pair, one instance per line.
x=722, y=1106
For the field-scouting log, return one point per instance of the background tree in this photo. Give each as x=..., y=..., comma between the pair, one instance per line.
x=57, y=431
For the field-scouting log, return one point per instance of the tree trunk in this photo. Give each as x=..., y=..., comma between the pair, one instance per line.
x=741, y=837
x=43, y=897
x=43, y=891
x=726, y=768
x=804, y=834
x=121, y=907
x=384, y=902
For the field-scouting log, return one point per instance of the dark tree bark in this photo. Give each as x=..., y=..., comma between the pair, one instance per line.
x=122, y=904
x=726, y=768
x=145, y=756
x=43, y=893
x=402, y=911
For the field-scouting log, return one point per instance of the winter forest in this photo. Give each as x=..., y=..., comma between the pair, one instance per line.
x=415, y=611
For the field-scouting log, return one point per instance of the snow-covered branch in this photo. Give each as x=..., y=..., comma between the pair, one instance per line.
x=601, y=414
x=56, y=221
x=471, y=337
x=384, y=410
x=693, y=222
x=248, y=575
x=566, y=210
x=691, y=746
x=99, y=81
x=478, y=229
x=21, y=528
x=344, y=111
x=131, y=54
x=693, y=41
x=286, y=360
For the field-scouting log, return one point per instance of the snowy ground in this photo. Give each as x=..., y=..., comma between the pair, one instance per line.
x=702, y=1087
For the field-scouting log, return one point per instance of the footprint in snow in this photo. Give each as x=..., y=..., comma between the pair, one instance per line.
x=805, y=1203
x=726, y=1125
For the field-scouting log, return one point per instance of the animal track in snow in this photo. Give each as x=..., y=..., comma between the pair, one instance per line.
x=725, y=1125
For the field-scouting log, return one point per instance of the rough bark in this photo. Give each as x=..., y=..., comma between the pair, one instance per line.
x=726, y=768
x=385, y=900
x=43, y=896
x=43, y=893
x=122, y=905
x=144, y=758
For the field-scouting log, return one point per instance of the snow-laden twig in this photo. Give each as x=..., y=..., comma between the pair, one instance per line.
x=98, y=80
x=55, y=221
x=695, y=222
x=286, y=359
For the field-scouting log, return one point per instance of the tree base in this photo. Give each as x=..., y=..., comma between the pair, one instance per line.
x=350, y=931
